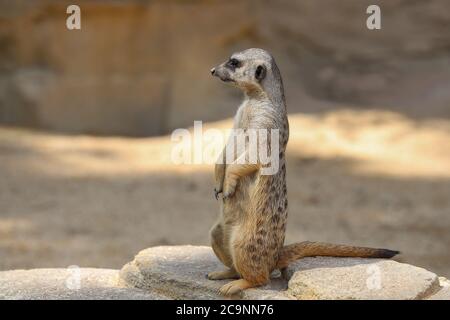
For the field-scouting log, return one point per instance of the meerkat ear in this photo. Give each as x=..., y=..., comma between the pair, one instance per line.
x=260, y=72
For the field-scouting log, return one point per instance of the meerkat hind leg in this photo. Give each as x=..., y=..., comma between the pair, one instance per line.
x=224, y=274
x=218, y=244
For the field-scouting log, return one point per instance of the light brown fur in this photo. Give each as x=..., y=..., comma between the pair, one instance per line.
x=248, y=237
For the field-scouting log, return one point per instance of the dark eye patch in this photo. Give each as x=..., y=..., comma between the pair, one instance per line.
x=260, y=73
x=233, y=64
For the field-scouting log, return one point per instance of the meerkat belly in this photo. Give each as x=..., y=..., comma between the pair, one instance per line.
x=256, y=225
x=235, y=210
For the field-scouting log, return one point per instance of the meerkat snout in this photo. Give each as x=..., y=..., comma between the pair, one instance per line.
x=222, y=73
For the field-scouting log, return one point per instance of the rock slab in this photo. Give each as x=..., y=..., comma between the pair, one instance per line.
x=68, y=284
x=357, y=278
x=180, y=273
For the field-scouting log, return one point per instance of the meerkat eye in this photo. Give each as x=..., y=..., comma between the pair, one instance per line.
x=260, y=73
x=234, y=63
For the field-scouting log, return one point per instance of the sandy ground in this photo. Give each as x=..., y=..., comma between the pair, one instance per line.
x=357, y=177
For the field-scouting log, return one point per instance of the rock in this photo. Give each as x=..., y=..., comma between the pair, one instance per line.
x=62, y=284
x=444, y=292
x=358, y=278
x=180, y=273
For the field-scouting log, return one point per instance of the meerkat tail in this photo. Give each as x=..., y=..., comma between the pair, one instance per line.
x=295, y=251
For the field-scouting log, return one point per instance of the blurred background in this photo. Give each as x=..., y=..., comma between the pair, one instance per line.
x=86, y=116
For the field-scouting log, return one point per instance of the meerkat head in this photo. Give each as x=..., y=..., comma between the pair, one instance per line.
x=248, y=69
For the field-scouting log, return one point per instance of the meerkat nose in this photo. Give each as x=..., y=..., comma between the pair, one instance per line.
x=213, y=70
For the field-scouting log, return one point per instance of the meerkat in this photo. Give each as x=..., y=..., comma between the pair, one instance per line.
x=248, y=237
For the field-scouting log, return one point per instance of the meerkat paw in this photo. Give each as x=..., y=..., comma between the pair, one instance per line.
x=217, y=191
x=235, y=287
x=222, y=275
x=230, y=186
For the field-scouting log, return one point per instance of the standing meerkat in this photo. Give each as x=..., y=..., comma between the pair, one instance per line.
x=248, y=237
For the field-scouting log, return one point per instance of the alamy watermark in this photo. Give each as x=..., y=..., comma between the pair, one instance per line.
x=73, y=21
x=73, y=281
x=249, y=146
x=373, y=282
x=373, y=22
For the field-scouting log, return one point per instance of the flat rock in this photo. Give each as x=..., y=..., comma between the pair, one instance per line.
x=64, y=284
x=358, y=278
x=180, y=273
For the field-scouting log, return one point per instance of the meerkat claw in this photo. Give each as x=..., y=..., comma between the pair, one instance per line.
x=216, y=193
